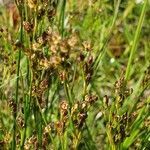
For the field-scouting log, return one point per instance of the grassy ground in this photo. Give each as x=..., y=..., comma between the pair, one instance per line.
x=75, y=75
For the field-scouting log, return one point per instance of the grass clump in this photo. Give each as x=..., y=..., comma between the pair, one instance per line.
x=74, y=75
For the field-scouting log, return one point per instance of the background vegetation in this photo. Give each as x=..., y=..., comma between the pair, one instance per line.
x=75, y=74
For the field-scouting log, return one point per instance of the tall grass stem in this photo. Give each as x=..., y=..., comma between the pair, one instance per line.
x=135, y=40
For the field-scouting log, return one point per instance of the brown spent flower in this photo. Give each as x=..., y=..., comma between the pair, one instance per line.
x=91, y=98
x=44, y=63
x=75, y=108
x=55, y=61
x=63, y=108
x=41, y=12
x=47, y=129
x=28, y=26
x=12, y=105
x=30, y=142
x=106, y=101
x=59, y=125
x=51, y=13
x=81, y=119
x=62, y=76
x=87, y=45
x=20, y=121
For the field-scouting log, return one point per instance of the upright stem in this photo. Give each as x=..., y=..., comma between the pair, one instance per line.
x=101, y=52
x=62, y=17
x=135, y=41
x=17, y=80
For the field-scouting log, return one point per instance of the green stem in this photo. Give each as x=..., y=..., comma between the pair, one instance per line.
x=101, y=52
x=62, y=17
x=23, y=133
x=17, y=80
x=68, y=93
x=135, y=41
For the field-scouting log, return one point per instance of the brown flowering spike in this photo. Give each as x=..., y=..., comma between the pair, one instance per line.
x=106, y=101
x=12, y=105
x=120, y=99
x=51, y=13
x=63, y=108
x=90, y=60
x=62, y=76
x=59, y=126
x=87, y=45
x=64, y=47
x=56, y=38
x=41, y=12
x=30, y=142
x=55, y=61
x=43, y=84
x=45, y=37
x=81, y=119
x=73, y=40
x=20, y=121
x=28, y=26
x=83, y=105
x=81, y=57
x=74, y=108
x=121, y=90
x=91, y=98
x=47, y=129
x=119, y=85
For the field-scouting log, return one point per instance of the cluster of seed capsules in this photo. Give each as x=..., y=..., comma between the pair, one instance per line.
x=76, y=115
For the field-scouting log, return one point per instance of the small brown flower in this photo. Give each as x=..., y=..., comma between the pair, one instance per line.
x=20, y=121
x=44, y=63
x=47, y=129
x=59, y=125
x=62, y=76
x=74, y=108
x=72, y=41
x=13, y=105
x=63, y=108
x=83, y=105
x=28, y=26
x=41, y=12
x=81, y=119
x=55, y=61
x=90, y=98
x=106, y=101
x=87, y=45
x=51, y=13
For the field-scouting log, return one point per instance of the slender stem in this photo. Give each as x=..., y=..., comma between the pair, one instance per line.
x=68, y=93
x=135, y=41
x=101, y=52
x=62, y=17
x=23, y=134
x=17, y=80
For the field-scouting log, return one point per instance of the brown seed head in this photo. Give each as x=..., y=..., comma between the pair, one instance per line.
x=87, y=45
x=28, y=26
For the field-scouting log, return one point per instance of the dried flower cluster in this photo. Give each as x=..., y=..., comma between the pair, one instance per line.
x=76, y=115
x=118, y=121
x=56, y=67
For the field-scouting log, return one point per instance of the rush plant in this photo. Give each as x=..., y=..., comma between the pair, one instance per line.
x=74, y=75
